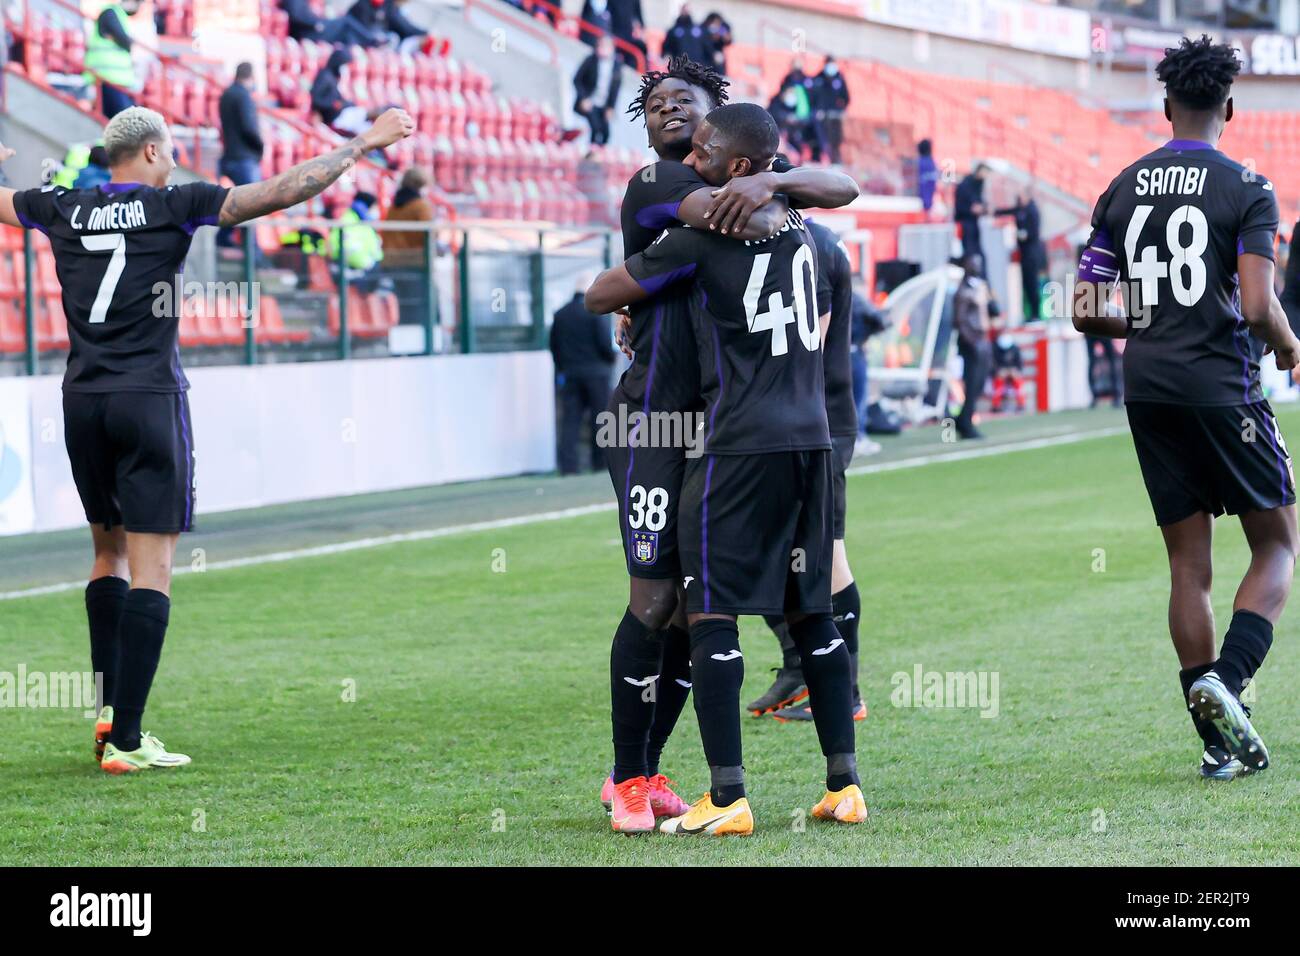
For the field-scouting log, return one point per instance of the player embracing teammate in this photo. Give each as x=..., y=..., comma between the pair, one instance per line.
x=755, y=527
x=1188, y=235
x=650, y=675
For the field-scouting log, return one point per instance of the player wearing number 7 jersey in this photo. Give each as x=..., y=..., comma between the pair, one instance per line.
x=1188, y=234
x=755, y=525
x=117, y=250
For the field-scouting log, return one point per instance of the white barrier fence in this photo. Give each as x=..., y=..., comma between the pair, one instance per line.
x=271, y=434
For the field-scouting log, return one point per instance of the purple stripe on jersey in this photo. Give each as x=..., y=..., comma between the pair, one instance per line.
x=28, y=224
x=1183, y=145
x=189, y=464
x=717, y=367
x=1241, y=246
x=659, y=216
x=1240, y=332
x=119, y=187
x=653, y=284
x=704, y=535
x=645, y=408
x=194, y=224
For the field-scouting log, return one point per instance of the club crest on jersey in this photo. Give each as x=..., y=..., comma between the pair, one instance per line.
x=645, y=547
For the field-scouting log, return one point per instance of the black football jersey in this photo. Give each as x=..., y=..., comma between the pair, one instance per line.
x=664, y=375
x=835, y=295
x=116, y=248
x=1169, y=229
x=755, y=314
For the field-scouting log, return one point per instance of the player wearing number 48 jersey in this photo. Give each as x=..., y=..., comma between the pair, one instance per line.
x=755, y=525
x=118, y=249
x=1187, y=235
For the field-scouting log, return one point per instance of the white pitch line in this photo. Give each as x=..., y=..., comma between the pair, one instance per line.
x=362, y=544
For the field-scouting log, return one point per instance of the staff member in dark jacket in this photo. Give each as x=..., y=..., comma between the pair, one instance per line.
x=972, y=306
x=583, y=349
x=687, y=38
x=1033, y=257
x=596, y=84
x=968, y=207
x=241, y=137
x=830, y=95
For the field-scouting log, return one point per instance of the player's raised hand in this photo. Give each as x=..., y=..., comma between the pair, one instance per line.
x=735, y=202
x=392, y=125
x=6, y=153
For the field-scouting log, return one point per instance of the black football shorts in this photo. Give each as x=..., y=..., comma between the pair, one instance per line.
x=1214, y=458
x=756, y=533
x=841, y=456
x=648, y=485
x=132, y=456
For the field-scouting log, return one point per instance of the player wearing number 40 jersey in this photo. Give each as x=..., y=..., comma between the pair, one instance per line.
x=126, y=417
x=1187, y=235
x=650, y=655
x=755, y=525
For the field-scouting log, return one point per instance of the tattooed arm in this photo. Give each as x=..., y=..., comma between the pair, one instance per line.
x=313, y=177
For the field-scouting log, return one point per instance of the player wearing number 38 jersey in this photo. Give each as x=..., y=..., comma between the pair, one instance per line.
x=1187, y=235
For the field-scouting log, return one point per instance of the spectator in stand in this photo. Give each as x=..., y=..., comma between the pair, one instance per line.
x=95, y=172
x=108, y=57
x=1033, y=257
x=386, y=24
x=583, y=349
x=796, y=94
x=717, y=32
x=339, y=114
x=596, y=13
x=927, y=173
x=785, y=111
x=830, y=95
x=626, y=24
x=362, y=250
x=404, y=252
x=686, y=38
x=596, y=84
x=304, y=24
x=969, y=206
x=241, y=137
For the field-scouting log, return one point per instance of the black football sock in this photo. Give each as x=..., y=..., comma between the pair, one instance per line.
x=673, y=687
x=634, y=661
x=847, y=612
x=104, y=600
x=1244, y=647
x=1208, y=733
x=140, y=640
x=826, y=672
x=789, y=655
x=718, y=670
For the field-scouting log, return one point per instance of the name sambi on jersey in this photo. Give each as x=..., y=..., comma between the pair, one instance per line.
x=113, y=246
x=1169, y=229
x=755, y=313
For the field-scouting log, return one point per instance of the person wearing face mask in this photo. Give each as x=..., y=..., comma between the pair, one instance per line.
x=830, y=100
x=785, y=110
x=718, y=33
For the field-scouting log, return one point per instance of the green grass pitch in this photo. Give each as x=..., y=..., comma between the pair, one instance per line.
x=479, y=730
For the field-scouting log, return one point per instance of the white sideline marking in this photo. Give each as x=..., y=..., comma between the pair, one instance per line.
x=362, y=544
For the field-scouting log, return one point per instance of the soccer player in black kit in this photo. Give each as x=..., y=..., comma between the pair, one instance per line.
x=1187, y=235
x=126, y=416
x=755, y=532
x=650, y=654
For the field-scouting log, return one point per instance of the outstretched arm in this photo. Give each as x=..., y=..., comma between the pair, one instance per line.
x=8, y=215
x=614, y=289
x=314, y=176
x=734, y=203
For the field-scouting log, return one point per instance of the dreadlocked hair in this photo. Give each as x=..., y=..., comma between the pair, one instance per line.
x=688, y=71
x=1199, y=73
